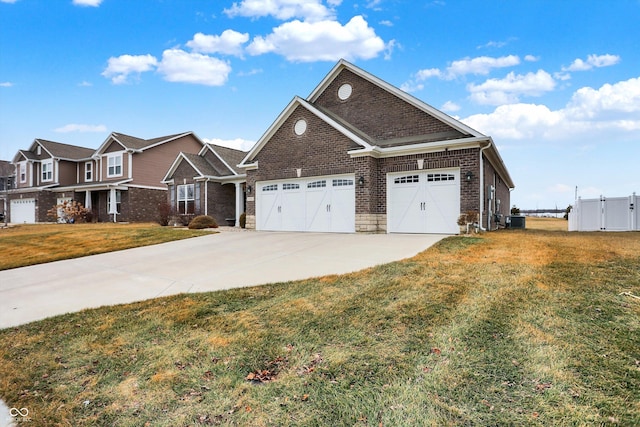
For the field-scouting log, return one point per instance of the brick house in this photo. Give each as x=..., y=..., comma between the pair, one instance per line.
x=120, y=181
x=208, y=183
x=359, y=155
x=7, y=181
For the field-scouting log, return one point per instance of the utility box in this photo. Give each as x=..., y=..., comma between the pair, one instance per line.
x=516, y=222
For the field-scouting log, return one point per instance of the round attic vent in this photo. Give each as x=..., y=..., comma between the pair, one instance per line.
x=345, y=91
x=300, y=127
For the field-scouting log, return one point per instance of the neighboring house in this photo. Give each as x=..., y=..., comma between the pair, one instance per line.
x=120, y=181
x=45, y=166
x=361, y=155
x=7, y=181
x=208, y=183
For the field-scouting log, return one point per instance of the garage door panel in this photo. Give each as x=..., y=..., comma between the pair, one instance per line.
x=441, y=208
x=23, y=211
x=317, y=206
x=321, y=204
x=343, y=206
x=405, y=199
x=423, y=201
x=292, y=207
x=267, y=207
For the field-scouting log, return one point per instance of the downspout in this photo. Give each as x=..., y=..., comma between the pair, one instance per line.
x=482, y=185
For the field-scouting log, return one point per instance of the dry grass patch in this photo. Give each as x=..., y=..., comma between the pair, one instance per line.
x=517, y=327
x=24, y=245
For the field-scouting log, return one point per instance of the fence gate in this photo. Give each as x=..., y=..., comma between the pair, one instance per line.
x=606, y=214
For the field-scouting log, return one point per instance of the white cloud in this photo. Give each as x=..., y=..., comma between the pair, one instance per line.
x=621, y=100
x=309, y=10
x=592, y=61
x=85, y=84
x=386, y=23
x=427, y=73
x=411, y=86
x=73, y=127
x=238, y=143
x=119, y=69
x=481, y=65
x=606, y=113
x=509, y=89
x=229, y=43
x=8, y=1
x=93, y=3
x=450, y=107
x=6, y=84
x=320, y=41
x=180, y=66
x=531, y=58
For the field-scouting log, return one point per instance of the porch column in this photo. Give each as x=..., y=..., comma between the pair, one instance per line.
x=113, y=207
x=239, y=202
x=87, y=199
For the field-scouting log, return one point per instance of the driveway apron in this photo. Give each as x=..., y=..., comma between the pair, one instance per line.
x=214, y=262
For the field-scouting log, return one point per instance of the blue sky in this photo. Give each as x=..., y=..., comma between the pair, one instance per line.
x=555, y=83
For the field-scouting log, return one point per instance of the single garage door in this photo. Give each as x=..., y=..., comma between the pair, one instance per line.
x=424, y=201
x=321, y=204
x=23, y=211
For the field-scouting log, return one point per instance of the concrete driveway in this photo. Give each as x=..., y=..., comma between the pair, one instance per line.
x=219, y=261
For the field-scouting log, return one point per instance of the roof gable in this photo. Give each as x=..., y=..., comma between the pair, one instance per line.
x=64, y=151
x=133, y=143
x=229, y=157
x=286, y=113
x=345, y=67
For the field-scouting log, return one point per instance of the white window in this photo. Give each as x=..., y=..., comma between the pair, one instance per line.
x=407, y=179
x=290, y=186
x=114, y=165
x=23, y=172
x=271, y=187
x=118, y=199
x=317, y=184
x=47, y=170
x=435, y=177
x=342, y=182
x=88, y=171
x=186, y=199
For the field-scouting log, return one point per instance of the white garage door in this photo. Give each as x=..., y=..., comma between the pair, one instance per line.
x=424, y=201
x=23, y=211
x=322, y=204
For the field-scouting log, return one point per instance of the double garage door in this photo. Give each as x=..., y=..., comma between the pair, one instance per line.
x=424, y=201
x=321, y=204
x=23, y=211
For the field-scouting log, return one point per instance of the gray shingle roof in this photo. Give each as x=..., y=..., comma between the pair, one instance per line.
x=66, y=151
x=138, y=143
x=201, y=164
x=230, y=155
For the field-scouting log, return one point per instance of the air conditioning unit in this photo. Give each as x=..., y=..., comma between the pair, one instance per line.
x=516, y=221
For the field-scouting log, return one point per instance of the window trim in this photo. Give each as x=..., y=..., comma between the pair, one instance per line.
x=22, y=172
x=185, y=199
x=115, y=165
x=88, y=171
x=46, y=173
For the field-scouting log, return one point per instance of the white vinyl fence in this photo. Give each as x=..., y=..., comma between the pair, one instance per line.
x=606, y=214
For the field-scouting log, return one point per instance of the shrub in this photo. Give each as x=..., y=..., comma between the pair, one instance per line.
x=164, y=213
x=69, y=212
x=203, y=221
x=243, y=220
